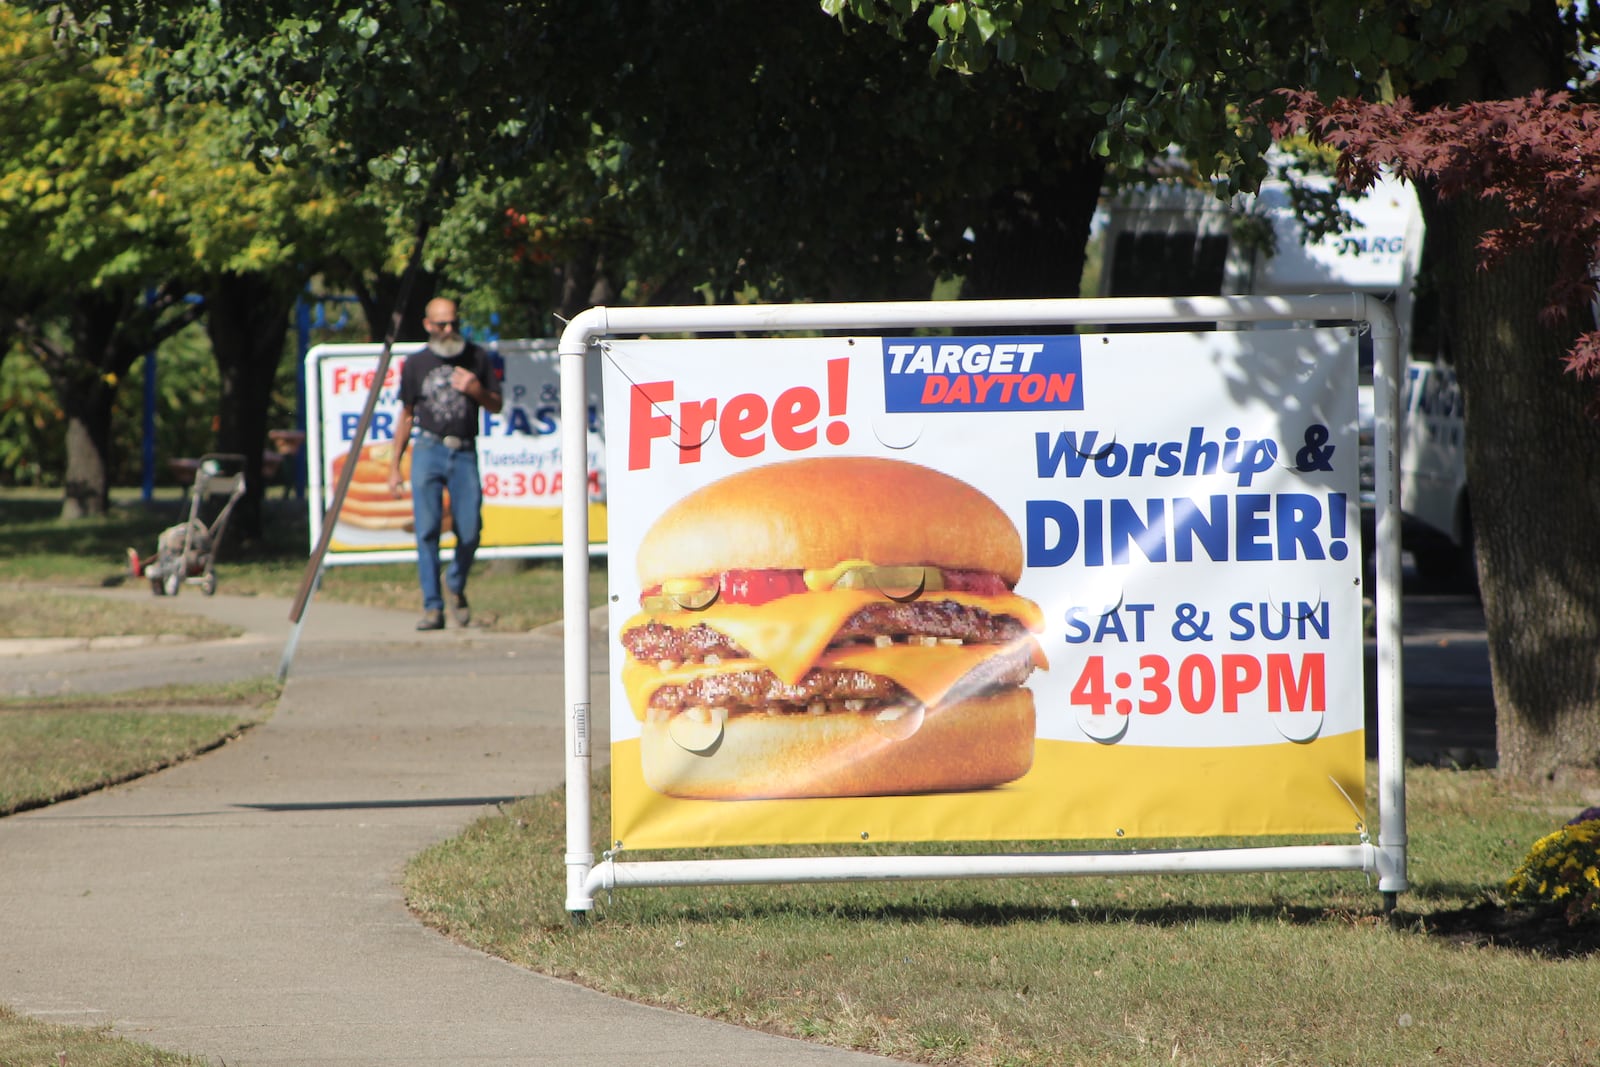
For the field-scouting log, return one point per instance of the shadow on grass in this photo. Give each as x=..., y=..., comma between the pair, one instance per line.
x=992, y=915
x=1540, y=930
x=31, y=527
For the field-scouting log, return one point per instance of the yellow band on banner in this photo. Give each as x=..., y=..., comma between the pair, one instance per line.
x=1075, y=790
x=510, y=525
x=502, y=527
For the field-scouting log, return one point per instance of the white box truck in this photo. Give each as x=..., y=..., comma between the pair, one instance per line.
x=1177, y=239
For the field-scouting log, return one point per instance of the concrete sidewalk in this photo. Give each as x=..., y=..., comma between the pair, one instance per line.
x=246, y=906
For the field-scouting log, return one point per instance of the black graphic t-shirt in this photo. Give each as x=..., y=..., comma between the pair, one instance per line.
x=437, y=406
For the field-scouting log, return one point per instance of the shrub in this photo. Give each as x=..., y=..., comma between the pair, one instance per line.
x=1563, y=868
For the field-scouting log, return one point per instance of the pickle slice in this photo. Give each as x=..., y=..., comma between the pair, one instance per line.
x=682, y=594
x=897, y=582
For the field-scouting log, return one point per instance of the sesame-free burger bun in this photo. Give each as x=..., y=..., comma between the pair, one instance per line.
x=814, y=513
x=963, y=745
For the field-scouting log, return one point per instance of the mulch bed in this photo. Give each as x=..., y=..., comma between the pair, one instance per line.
x=1541, y=930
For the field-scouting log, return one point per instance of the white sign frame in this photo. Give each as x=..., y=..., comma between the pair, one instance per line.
x=1386, y=858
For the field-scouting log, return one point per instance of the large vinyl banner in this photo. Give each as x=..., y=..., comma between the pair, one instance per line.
x=519, y=454
x=984, y=587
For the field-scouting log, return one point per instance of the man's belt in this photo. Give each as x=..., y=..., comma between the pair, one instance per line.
x=449, y=440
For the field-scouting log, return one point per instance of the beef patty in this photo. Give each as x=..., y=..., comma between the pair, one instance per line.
x=654, y=642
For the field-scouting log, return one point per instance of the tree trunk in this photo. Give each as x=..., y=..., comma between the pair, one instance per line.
x=109, y=329
x=583, y=283
x=85, y=380
x=247, y=319
x=1031, y=240
x=1533, y=453
x=87, y=408
x=1533, y=468
x=378, y=295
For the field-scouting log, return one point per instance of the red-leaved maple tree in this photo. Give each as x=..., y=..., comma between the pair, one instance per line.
x=1538, y=156
x=1510, y=191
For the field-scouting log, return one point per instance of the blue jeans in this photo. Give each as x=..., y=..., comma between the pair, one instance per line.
x=435, y=468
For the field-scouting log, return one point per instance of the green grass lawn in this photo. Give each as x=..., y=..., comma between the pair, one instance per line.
x=55, y=748
x=1287, y=968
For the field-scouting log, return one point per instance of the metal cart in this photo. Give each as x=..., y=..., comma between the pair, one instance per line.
x=187, y=552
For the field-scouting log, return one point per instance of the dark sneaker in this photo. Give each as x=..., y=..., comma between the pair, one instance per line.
x=431, y=620
x=460, y=609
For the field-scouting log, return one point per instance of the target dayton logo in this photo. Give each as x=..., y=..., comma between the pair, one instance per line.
x=983, y=374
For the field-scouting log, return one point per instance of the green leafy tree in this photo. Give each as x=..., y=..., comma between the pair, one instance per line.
x=133, y=219
x=1159, y=75
x=254, y=236
x=90, y=281
x=806, y=163
x=30, y=422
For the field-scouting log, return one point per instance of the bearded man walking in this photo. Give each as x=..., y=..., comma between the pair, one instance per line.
x=442, y=390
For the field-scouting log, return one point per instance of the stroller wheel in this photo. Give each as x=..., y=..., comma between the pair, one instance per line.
x=155, y=585
x=208, y=584
x=171, y=583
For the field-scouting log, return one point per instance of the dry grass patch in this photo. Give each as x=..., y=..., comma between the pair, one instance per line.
x=32, y=612
x=58, y=747
x=27, y=1042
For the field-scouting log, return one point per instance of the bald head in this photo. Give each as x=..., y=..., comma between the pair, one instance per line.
x=439, y=312
x=443, y=329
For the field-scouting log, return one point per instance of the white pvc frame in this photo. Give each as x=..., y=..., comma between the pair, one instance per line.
x=1386, y=858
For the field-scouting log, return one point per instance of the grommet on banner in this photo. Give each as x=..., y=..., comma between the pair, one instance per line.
x=1301, y=727
x=1107, y=728
x=897, y=432
x=1302, y=609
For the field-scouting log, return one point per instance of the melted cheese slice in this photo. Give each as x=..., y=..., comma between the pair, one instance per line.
x=790, y=633
x=929, y=672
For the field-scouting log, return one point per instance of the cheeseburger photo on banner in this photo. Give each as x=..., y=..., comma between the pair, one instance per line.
x=831, y=627
x=855, y=598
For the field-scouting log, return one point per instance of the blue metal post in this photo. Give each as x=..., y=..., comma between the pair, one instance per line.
x=302, y=325
x=147, y=487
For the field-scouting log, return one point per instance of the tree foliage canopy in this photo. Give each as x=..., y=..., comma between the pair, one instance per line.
x=1188, y=74
x=391, y=87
